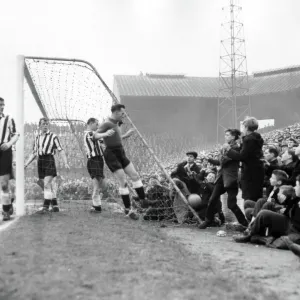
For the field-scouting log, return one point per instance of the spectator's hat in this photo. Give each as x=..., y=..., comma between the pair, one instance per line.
x=193, y=153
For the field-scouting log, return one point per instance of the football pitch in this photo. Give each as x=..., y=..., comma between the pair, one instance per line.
x=108, y=256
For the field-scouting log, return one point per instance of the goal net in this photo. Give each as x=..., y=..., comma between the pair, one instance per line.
x=68, y=93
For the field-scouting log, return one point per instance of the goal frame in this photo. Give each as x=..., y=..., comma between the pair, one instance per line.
x=23, y=72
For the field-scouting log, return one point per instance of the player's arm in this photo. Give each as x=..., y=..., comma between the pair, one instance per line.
x=14, y=135
x=98, y=136
x=61, y=151
x=33, y=154
x=103, y=131
x=128, y=133
x=30, y=160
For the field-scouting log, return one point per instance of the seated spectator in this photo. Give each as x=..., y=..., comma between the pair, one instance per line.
x=284, y=148
x=205, y=189
x=288, y=162
x=186, y=170
x=252, y=208
x=271, y=164
x=277, y=230
x=296, y=171
x=158, y=202
x=292, y=241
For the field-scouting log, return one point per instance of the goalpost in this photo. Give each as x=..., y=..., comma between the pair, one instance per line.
x=68, y=92
x=20, y=184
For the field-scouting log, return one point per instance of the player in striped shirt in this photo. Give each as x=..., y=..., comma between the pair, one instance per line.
x=95, y=161
x=45, y=145
x=8, y=138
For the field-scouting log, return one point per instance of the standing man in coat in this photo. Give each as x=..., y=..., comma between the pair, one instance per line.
x=226, y=181
x=251, y=154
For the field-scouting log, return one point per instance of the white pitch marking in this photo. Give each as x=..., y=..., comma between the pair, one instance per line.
x=8, y=223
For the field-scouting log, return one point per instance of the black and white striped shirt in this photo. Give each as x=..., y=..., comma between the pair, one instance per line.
x=46, y=144
x=92, y=146
x=7, y=128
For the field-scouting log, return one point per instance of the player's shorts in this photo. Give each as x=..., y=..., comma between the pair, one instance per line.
x=116, y=159
x=95, y=167
x=46, y=166
x=5, y=162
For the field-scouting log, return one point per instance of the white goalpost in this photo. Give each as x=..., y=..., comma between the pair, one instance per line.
x=20, y=121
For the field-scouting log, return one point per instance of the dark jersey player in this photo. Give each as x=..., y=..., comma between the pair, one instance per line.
x=117, y=161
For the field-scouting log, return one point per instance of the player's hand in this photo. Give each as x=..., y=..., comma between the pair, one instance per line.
x=109, y=132
x=226, y=146
x=67, y=166
x=130, y=131
x=5, y=146
x=282, y=210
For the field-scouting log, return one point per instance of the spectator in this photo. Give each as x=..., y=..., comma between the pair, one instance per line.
x=252, y=208
x=288, y=161
x=271, y=162
x=227, y=181
x=252, y=177
x=296, y=171
x=277, y=225
x=185, y=172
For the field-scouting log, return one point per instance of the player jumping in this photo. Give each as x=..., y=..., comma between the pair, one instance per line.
x=117, y=161
x=45, y=145
x=95, y=161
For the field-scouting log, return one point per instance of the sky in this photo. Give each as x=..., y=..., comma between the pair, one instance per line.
x=129, y=36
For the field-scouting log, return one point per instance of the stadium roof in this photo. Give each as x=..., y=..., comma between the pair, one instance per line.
x=279, y=80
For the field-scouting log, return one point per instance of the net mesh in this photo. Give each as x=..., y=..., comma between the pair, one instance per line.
x=69, y=93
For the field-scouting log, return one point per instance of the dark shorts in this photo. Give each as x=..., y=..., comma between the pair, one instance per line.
x=6, y=162
x=95, y=167
x=46, y=166
x=116, y=159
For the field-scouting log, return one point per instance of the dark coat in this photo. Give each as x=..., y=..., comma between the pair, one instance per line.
x=269, y=170
x=229, y=169
x=289, y=168
x=293, y=212
x=295, y=173
x=181, y=174
x=252, y=177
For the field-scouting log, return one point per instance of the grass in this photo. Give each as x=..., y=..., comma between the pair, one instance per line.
x=86, y=256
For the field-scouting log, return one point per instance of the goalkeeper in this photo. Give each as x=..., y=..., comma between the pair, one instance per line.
x=117, y=161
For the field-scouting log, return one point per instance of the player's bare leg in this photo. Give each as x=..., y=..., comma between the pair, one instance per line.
x=98, y=184
x=54, y=189
x=12, y=189
x=136, y=182
x=47, y=193
x=5, y=199
x=124, y=192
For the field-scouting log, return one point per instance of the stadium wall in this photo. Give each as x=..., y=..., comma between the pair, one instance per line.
x=178, y=116
x=193, y=117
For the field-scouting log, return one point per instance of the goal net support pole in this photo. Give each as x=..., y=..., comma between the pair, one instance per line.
x=20, y=178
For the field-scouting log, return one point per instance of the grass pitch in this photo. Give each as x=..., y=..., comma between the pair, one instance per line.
x=91, y=256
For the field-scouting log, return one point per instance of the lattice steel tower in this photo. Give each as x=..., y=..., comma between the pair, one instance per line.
x=233, y=98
